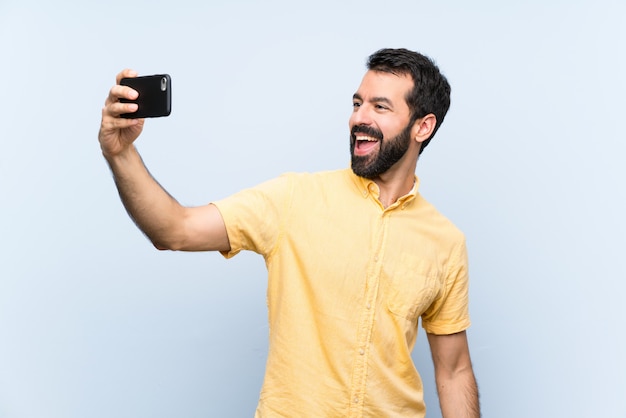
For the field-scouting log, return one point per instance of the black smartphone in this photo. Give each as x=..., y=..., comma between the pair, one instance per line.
x=155, y=96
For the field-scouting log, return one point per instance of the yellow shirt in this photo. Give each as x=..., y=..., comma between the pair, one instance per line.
x=347, y=283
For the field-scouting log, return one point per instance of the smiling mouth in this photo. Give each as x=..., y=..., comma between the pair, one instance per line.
x=366, y=138
x=364, y=144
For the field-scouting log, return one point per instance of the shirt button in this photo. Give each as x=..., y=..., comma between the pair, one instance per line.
x=361, y=351
x=369, y=306
x=356, y=400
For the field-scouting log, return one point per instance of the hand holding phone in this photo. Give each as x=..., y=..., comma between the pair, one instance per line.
x=155, y=96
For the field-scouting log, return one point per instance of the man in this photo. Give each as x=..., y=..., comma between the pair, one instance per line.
x=354, y=257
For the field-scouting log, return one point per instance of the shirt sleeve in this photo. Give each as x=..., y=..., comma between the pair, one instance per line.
x=449, y=313
x=253, y=216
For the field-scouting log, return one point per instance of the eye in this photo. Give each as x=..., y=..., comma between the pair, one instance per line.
x=381, y=107
x=356, y=104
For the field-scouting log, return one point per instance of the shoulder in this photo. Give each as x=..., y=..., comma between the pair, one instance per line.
x=437, y=221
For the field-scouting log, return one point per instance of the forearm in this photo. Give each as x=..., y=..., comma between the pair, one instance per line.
x=458, y=394
x=152, y=209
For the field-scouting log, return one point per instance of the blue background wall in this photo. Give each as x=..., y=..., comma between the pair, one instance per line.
x=529, y=163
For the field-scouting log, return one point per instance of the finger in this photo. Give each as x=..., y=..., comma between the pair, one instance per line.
x=118, y=92
x=126, y=73
x=110, y=122
x=125, y=92
x=115, y=109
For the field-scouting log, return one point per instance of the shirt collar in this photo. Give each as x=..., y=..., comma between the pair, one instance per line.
x=368, y=188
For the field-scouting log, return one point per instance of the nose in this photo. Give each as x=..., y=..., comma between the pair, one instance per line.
x=361, y=115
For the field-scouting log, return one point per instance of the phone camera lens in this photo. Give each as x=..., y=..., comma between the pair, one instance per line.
x=163, y=84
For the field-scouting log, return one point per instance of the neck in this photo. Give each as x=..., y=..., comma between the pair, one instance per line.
x=395, y=183
x=399, y=179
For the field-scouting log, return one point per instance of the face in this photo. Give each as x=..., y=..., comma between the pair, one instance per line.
x=380, y=134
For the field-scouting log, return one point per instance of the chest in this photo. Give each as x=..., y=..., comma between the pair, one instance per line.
x=349, y=259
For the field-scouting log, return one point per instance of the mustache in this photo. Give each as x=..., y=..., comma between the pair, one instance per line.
x=366, y=130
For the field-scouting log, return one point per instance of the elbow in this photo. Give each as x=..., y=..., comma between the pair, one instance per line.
x=164, y=244
x=166, y=239
x=167, y=245
x=160, y=246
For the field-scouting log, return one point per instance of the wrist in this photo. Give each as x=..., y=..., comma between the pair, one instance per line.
x=120, y=157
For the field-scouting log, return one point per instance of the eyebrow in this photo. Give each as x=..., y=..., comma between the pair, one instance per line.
x=357, y=96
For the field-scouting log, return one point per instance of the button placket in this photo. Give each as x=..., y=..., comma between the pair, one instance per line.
x=366, y=323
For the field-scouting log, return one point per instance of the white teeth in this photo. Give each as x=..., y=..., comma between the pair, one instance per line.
x=366, y=138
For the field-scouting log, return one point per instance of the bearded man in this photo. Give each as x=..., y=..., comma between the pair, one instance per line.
x=355, y=256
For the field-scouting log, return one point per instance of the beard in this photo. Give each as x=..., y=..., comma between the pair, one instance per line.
x=389, y=152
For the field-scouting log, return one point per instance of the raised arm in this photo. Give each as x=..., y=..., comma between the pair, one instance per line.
x=456, y=384
x=165, y=222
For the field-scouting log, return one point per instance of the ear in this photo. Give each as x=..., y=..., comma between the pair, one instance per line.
x=423, y=128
